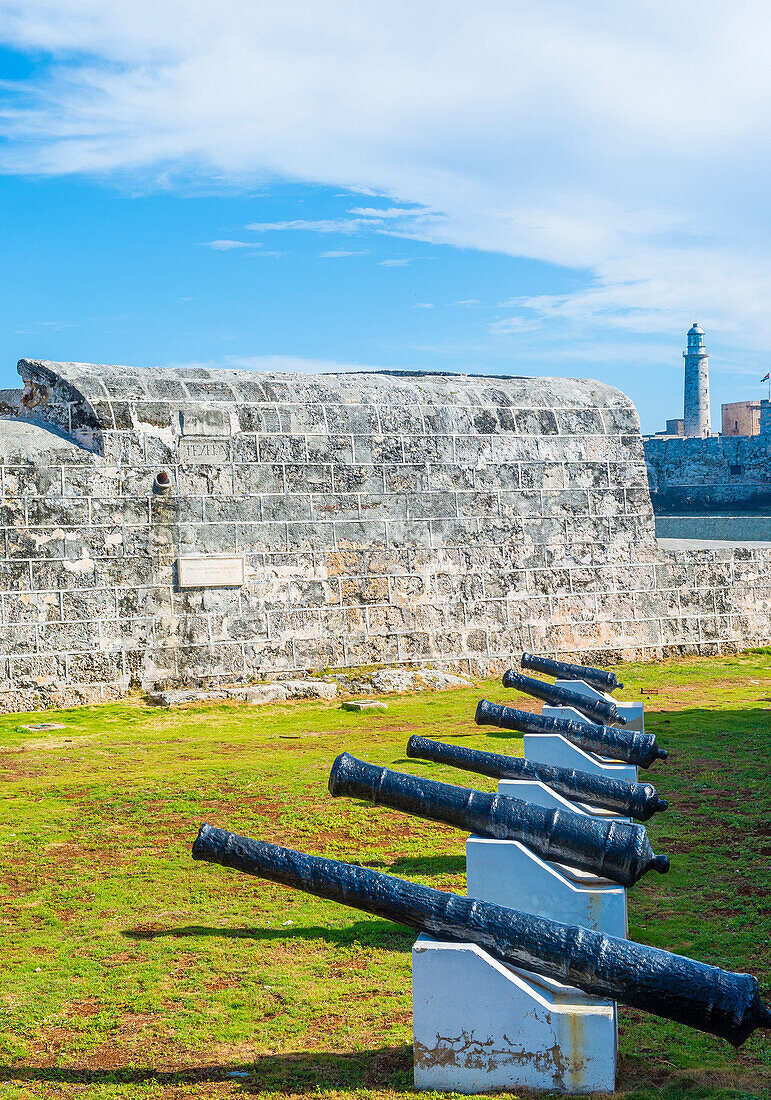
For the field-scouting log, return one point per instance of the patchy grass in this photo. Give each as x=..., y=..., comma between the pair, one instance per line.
x=130, y=971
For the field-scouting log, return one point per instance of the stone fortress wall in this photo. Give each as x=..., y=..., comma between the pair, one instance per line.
x=719, y=472
x=166, y=526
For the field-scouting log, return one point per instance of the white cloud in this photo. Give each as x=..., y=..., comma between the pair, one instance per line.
x=424, y=305
x=226, y=246
x=340, y=253
x=468, y=302
x=386, y=213
x=394, y=263
x=320, y=225
x=34, y=328
x=391, y=221
x=629, y=142
x=252, y=246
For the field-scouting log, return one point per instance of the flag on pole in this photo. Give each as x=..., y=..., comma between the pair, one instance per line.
x=767, y=378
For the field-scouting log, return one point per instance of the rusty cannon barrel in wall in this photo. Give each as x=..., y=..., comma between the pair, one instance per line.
x=638, y=800
x=631, y=746
x=690, y=992
x=598, y=710
x=564, y=670
x=614, y=850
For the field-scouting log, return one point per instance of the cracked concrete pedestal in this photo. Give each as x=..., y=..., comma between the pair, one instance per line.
x=480, y=1025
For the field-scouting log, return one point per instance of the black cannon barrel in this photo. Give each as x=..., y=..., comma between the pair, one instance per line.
x=673, y=986
x=638, y=800
x=614, y=849
x=597, y=677
x=630, y=746
x=599, y=710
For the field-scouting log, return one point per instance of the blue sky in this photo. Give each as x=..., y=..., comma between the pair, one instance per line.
x=525, y=189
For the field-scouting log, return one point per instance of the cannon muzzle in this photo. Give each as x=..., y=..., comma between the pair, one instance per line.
x=598, y=710
x=615, y=850
x=638, y=800
x=564, y=670
x=673, y=986
x=630, y=746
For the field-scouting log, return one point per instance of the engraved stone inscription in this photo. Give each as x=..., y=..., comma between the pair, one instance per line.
x=210, y=571
x=203, y=450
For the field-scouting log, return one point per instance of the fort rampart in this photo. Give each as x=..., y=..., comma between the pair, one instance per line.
x=717, y=473
x=177, y=526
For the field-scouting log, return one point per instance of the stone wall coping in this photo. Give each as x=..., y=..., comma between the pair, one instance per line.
x=98, y=383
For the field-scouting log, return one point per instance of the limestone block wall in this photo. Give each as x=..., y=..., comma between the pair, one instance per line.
x=700, y=475
x=334, y=521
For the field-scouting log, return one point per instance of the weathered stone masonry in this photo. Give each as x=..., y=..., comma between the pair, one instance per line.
x=381, y=518
x=702, y=475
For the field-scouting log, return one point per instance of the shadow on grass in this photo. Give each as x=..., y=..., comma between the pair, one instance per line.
x=425, y=865
x=376, y=933
x=387, y=1067
x=413, y=762
x=319, y=1072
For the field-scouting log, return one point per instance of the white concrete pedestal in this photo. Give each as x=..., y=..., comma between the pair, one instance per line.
x=531, y=790
x=508, y=873
x=481, y=1026
x=553, y=748
x=633, y=712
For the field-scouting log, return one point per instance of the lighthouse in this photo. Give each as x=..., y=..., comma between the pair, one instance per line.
x=696, y=404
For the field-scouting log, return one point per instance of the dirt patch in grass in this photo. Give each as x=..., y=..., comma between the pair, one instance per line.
x=83, y=1009
x=692, y=1082
x=13, y=771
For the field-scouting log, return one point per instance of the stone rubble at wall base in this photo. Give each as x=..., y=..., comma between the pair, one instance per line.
x=387, y=680
x=257, y=694
x=382, y=519
x=402, y=679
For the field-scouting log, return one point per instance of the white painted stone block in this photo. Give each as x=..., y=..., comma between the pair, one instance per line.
x=568, y=755
x=480, y=1025
x=530, y=790
x=581, y=687
x=569, y=713
x=633, y=712
x=551, y=748
x=508, y=873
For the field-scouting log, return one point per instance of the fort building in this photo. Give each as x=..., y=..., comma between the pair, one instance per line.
x=189, y=526
x=674, y=427
x=740, y=418
x=704, y=473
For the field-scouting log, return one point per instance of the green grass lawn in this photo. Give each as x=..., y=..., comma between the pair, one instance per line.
x=130, y=971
